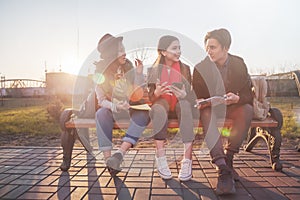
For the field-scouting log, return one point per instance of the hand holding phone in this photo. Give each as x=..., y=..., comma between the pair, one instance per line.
x=178, y=90
x=212, y=101
x=179, y=85
x=161, y=88
x=202, y=103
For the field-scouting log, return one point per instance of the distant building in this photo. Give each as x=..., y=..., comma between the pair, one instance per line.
x=64, y=84
x=59, y=83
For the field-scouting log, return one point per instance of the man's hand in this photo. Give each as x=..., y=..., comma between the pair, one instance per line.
x=231, y=98
x=203, y=105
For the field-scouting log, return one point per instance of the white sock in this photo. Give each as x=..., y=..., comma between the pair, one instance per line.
x=187, y=146
x=120, y=151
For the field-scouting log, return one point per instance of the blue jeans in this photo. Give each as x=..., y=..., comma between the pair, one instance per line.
x=105, y=120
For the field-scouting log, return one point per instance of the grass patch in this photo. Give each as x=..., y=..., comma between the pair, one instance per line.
x=33, y=120
x=290, y=109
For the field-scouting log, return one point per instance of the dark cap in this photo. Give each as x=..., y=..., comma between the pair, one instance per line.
x=222, y=35
x=108, y=46
x=165, y=41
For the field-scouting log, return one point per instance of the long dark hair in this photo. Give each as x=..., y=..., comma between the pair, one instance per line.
x=163, y=43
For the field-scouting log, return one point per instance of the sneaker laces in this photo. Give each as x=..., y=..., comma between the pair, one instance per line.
x=162, y=164
x=185, y=166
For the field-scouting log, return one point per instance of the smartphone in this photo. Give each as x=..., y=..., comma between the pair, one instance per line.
x=179, y=85
x=203, y=102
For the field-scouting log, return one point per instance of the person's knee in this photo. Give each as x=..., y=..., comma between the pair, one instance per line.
x=160, y=105
x=141, y=118
x=102, y=114
x=158, y=111
x=249, y=109
x=246, y=111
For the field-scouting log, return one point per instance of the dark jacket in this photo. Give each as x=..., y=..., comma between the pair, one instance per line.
x=206, y=80
x=155, y=73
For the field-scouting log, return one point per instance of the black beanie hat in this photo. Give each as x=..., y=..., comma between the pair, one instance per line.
x=108, y=46
x=165, y=41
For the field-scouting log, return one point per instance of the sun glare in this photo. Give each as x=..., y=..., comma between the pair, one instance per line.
x=70, y=65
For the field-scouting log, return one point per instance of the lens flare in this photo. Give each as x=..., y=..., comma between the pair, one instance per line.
x=225, y=132
x=98, y=78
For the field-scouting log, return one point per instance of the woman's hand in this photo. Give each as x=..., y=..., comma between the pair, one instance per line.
x=231, y=98
x=179, y=93
x=139, y=66
x=161, y=89
x=123, y=105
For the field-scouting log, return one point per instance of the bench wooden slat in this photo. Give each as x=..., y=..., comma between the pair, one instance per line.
x=173, y=123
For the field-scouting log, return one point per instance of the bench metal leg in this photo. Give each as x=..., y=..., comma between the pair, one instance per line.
x=68, y=137
x=271, y=136
x=67, y=142
x=275, y=132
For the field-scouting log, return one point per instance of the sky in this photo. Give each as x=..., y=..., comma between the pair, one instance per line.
x=61, y=34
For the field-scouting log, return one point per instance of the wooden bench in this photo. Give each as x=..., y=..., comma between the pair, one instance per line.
x=267, y=130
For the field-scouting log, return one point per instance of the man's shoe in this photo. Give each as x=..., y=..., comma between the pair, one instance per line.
x=225, y=183
x=185, y=172
x=162, y=167
x=113, y=163
x=229, y=163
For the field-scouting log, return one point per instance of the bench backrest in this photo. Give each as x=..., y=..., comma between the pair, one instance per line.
x=260, y=104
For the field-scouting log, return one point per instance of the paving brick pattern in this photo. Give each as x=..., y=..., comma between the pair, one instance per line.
x=33, y=173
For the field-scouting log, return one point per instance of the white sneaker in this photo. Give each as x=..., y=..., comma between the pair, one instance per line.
x=185, y=172
x=163, y=168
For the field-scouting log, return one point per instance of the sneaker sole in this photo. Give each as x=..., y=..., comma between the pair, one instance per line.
x=185, y=178
x=112, y=169
x=113, y=172
x=164, y=176
x=236, y=178
x=232, y=191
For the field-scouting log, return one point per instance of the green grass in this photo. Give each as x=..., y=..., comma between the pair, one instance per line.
x=12, y=103
x=290, y=109
x=32, y=119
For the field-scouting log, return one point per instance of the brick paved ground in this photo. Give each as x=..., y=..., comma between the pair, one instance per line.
x=33, y=173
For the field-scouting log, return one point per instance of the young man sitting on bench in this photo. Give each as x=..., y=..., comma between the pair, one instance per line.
x=224, y=75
